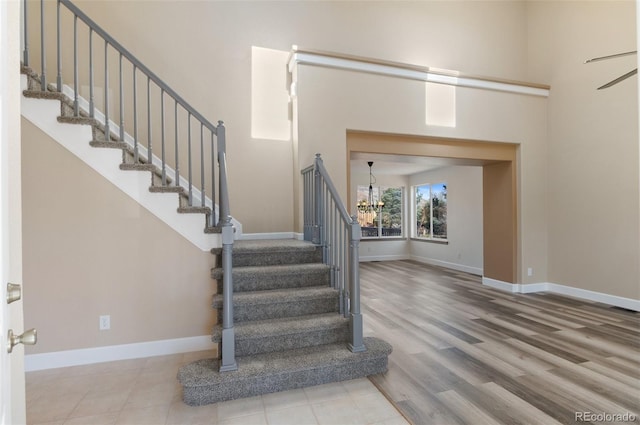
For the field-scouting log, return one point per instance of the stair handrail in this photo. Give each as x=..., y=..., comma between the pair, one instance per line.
x=192, y=117
x=328, y=224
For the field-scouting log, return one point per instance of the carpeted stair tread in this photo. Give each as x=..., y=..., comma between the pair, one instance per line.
x=40, y=94
x=257, y=278
x=77, y=120
x=213, y=229
x=273, y=252
x=269, y=245
x=137, y=167
x=264, y=305
x=283, y=334
x=280, y=371
x=109, y=145
x=194, y=210
x=166, y=189
x=284, y=326
x=255, y=298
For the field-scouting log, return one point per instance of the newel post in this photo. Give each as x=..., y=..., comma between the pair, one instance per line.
x=228, y=362
x=355, y=316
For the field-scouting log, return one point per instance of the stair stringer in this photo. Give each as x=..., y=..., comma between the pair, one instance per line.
x=44, y=114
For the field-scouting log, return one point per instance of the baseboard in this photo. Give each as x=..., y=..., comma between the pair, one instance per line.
x=57, y=359
x=366, y=258
x=599, y=297
x=454, y=266
x=498, y=284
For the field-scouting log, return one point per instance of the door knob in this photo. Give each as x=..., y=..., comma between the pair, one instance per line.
x=29, y=337
x=14, y=292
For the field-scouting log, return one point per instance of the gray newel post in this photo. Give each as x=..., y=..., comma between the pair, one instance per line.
x=355, y=317
x=317, y=196
x=228, y=362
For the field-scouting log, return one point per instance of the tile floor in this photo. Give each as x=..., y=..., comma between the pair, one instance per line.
x=145, y=391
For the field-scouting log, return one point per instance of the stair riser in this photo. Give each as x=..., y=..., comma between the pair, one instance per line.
x=243, y=313
x=250, y=346
x=244, y=283
x=274, y=258
x=288, y=380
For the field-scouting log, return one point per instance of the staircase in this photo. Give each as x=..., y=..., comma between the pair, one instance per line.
x=288, y=310
x=288, y=330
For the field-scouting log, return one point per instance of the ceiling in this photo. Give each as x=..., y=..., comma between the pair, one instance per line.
x=403, y=165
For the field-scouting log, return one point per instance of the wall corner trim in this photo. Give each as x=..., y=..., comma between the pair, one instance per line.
x=411, y=72
x=111, y=353
x=598, y=297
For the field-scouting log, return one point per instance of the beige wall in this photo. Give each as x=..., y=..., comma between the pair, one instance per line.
x=336, y=101
x=593, y=143
x=576, y=143
x=90, y=250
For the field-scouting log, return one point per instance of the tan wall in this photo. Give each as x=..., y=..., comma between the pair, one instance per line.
x=593, y=143
x=203, y=49
x=337, y=101
x=90, y=250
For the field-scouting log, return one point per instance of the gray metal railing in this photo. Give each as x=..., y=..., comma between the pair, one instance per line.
x=328, y=224
x=116, y=66
x=115, y=59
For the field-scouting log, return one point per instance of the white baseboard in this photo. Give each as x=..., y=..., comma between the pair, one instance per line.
x=454, y=266
x=599, y=297
x=57, y=359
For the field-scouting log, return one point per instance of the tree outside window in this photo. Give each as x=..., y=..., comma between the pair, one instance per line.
x=431, y=211
x=385, y=221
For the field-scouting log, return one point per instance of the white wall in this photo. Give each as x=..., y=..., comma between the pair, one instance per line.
x=464, y=220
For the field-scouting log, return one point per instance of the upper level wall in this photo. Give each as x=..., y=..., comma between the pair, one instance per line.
x=203, y=50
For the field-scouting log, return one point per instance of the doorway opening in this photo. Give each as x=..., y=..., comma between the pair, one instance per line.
x=499, y=185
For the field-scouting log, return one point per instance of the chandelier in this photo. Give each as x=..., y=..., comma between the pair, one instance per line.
x=369, y=208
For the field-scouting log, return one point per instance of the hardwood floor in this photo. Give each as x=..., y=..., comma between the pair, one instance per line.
x=468, y=354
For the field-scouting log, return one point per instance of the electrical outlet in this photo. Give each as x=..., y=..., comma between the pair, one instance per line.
x=530, y=271
x=105, y=323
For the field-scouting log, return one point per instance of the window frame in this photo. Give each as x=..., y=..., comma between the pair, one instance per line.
x=414, y=213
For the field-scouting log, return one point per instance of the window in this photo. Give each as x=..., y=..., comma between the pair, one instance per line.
x=385, y=218
x=431, y=211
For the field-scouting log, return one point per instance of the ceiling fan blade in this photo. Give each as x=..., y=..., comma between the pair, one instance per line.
x=617, y=55
x=620, y=78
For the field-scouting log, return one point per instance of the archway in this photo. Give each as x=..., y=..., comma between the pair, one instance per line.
x=499, y=165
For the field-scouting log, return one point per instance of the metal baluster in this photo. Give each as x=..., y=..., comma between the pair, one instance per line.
x=203, y=192
x=76, y=109
x=317, y=202
x=149, y=142
x=135, y=117
x=121, y=102
x=212, y=217
x=177, y=183
x=25, y=52
x=189, y=159
x=43, y=76
x=91, y=104
x=164, y=165
x=107, y=130
x=58, y=53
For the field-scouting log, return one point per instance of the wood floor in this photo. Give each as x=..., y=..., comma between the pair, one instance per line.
x=468, y=354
